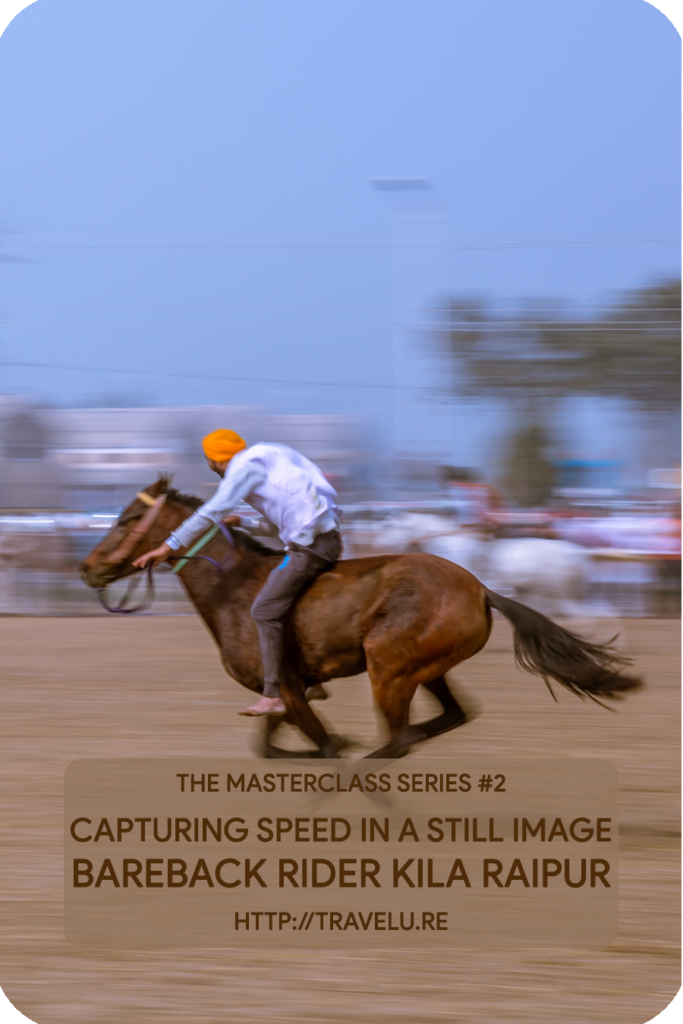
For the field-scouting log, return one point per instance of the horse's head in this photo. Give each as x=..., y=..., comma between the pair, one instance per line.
x=142, y=525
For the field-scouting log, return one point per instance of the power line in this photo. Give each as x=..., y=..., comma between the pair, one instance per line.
x=347, y=309
x=567, y=327
x=213, y=377
x=346, y=247
x=222, y=236
x=207, y=376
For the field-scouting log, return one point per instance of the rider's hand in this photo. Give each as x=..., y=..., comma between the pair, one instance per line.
x=232, y=520
x=156, y=557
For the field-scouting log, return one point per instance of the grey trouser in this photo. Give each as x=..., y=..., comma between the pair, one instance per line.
x=278, y=594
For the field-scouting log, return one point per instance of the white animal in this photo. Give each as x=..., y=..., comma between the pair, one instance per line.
x=398, y=533
x=464, y=548
x=550, y=575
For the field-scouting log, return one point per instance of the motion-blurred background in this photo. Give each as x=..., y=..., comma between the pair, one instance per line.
x=435, y=249
x=433, y=245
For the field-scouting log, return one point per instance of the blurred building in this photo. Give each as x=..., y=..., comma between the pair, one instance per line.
x=28, y=478
x=95, y=458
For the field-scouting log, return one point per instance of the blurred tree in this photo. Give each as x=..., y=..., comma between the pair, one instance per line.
x=632, y=351
x=544, y=352
x=528, y=474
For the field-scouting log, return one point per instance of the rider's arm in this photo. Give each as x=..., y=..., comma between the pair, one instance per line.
x=233, y=488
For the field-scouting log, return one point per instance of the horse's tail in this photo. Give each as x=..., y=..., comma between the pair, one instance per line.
x=546, y=649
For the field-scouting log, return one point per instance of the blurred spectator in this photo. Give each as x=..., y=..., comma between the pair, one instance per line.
x=472, y=499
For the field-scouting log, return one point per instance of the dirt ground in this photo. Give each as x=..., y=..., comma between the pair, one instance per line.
x=93, y=687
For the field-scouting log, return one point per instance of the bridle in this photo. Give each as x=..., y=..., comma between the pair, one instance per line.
x=125, y=548
x=130, y=542
x=132, y=539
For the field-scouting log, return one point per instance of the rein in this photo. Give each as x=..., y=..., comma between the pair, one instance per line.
x=120, y=608
x=198, y=545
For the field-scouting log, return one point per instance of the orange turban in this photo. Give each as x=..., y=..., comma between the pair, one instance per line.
x=221, y=445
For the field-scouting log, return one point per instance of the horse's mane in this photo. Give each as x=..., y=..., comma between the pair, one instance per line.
x=184, y=499
x=246, y=542
x=243, y=540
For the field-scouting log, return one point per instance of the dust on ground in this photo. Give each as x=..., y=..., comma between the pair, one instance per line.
x=154, y=687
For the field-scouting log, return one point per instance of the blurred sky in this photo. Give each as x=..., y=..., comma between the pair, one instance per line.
x=169, y=164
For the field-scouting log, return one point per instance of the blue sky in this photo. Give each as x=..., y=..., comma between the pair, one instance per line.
x=170, y=164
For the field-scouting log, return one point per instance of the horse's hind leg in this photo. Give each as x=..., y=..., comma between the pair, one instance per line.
x=393, y=697
x=452, y=717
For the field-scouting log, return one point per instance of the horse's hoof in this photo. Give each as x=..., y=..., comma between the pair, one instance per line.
x=340, y=743
x=316, y=693
x=387, y=754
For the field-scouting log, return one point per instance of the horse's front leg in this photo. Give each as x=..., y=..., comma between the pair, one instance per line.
x=293, y=695
x=267, y=747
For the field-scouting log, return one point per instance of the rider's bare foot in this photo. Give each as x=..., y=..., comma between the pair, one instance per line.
x=264, y=706
x=316, y=693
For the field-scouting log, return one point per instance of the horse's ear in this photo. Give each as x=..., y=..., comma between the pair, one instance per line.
x=162, y=485
x=164, y=482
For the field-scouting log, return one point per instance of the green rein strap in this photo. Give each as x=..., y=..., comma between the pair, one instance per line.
x=197, y=546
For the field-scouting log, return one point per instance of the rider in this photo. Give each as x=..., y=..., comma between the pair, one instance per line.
x=293, y=495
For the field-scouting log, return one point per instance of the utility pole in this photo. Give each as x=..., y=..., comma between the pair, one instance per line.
x=420, y=253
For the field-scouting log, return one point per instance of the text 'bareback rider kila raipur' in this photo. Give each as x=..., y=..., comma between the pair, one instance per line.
x=294, y=496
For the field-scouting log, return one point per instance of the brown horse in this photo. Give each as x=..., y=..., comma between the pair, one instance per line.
x=406, y=619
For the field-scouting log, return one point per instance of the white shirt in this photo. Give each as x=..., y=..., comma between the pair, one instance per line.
x=281, y=484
